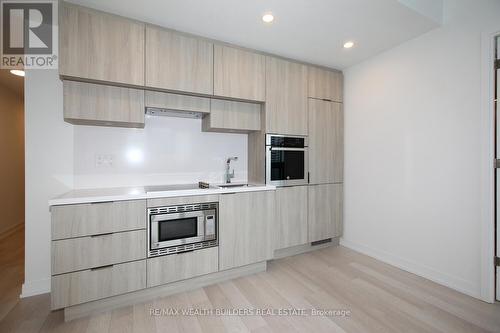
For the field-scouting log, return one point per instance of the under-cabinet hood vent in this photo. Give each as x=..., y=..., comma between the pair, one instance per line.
x=173, y=113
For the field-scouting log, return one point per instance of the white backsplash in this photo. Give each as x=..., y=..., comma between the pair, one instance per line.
x=167, y=151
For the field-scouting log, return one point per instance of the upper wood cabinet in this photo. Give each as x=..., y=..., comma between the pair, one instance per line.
x=246, y=228
x=326, y=142
x=325, y=211
x=291, y=216
x=98, y=46
x=239, y=74
x=286, y=97
x=100, y=105
x=232, y=116
x=176, y=61
x=325, y=84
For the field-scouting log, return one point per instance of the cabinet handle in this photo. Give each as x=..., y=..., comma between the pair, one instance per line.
x=99, y=235
x=101, y=267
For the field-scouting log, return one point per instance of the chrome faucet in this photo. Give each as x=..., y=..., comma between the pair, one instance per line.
x=228, y=175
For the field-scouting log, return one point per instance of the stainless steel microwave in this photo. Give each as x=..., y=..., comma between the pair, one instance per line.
x=286, y=160
x=183, y=228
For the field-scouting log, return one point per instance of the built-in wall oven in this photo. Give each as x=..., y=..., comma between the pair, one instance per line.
x=182, y=228
x=286, y=160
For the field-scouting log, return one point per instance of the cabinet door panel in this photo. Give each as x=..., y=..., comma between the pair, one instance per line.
x=326, y=142
x=291, y=208
x=325, y=212
x=325, y=84
x=286, y=97
x=181, y=266
x=100, y=218
x=239, y=73
x=86, y=252
x=232, y=116
x=245, y=228
x=90, y=285
x=99, y=46
x=178, y=62
x=100, y=105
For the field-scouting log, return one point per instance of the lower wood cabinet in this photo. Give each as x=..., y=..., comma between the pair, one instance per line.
x=291, y=216
x=80, y=253
x=100, y=105
x=97, y=218
x=232, y=116
x=325, y=211
x=326, y=142
x=89, y=285
x=175, y=267
x=246, y=228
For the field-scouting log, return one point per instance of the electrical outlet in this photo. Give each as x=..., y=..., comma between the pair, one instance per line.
x=104, y=160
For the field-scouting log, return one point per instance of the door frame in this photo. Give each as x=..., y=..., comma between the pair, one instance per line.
x=487, y=174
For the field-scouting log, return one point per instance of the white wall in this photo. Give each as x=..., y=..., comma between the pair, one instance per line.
x=413, y=150
x=48, y=171
x=167, y=151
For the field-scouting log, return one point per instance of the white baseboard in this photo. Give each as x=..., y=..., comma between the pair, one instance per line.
x=453, y=282
x=33, y=288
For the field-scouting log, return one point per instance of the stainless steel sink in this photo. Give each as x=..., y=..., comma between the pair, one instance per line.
x=234, y=185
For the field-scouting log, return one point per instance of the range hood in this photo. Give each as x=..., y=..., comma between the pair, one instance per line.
x=173, y=113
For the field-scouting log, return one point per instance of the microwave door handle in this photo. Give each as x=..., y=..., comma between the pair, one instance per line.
x=201, y=226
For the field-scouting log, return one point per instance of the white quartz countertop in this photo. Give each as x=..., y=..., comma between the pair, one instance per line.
x=80, y=196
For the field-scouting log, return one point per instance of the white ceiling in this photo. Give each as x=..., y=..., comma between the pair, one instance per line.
x=308, y=30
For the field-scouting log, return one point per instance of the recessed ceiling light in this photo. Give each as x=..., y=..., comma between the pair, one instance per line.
x=268, y=17
x=348, y=45
x=17, y=72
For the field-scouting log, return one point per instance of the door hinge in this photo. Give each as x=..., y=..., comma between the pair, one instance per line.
x=497, y=163
x=308, y=177
x=497, y=261
x=497, y=64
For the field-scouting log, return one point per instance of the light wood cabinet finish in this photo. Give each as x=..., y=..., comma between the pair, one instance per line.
x=175, y=267
x=161, y=100
x=94, y=104
x=176, y=61
x=99, y=46
x=325, y=212
x=238, y=73
x=87, y=252
x=84, y=286
x=286, y=97
x=326, y=142
x=158, y=202
x=99, y=218
x=246, y=228
x=291, y=216
x=231, y=116
x=325, y=84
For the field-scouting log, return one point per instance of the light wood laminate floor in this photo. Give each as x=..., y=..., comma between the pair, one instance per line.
x=380, y=298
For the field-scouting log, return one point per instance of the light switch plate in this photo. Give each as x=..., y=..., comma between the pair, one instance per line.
x=104, y=160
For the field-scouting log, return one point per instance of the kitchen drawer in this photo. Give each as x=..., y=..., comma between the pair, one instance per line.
x=182, y=266
x=97, y=218
x=90, y=285
x=158, y=202
x=75, y=254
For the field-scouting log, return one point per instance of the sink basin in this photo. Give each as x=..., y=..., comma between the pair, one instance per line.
x=234, y=185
